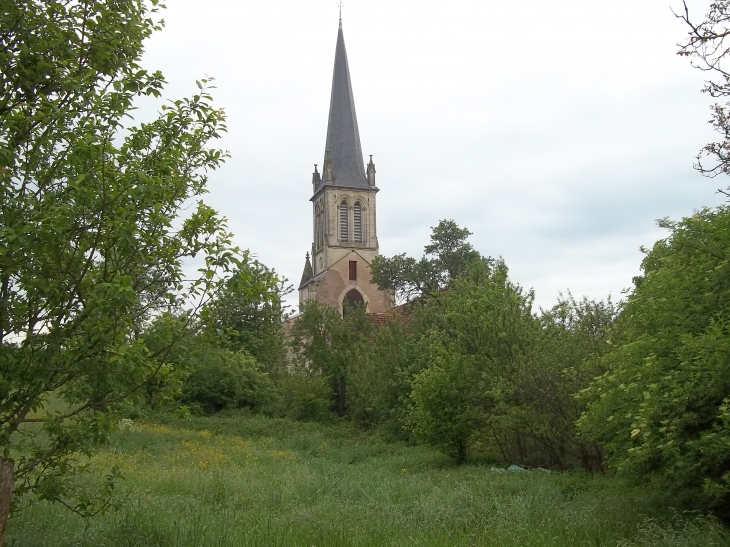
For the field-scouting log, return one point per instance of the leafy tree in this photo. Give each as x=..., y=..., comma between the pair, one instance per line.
x=449, y=398
x=246, y=314
x=537, y=427
x=379, y=379
x=202, y=373
x=327, y=344
x=171, y=335
x=92, y=237
x=475, y=336
x=445, y=258
x=451, y=251
x=661, y=407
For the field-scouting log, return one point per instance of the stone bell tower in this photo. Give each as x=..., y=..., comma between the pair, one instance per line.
x=344, y=210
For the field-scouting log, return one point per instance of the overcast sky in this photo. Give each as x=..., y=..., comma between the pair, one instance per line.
x=557, y=132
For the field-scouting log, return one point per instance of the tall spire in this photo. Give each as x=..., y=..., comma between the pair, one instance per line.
x=343, y=136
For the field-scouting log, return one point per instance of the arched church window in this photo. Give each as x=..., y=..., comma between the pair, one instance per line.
x=357, y=222
x=319, y=225
x=344, y=232
x=352, y=299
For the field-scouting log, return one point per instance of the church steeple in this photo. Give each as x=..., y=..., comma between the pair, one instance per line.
x=344, y=215
x=343, y=136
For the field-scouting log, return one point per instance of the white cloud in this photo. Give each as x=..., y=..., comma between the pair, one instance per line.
x=557, y=132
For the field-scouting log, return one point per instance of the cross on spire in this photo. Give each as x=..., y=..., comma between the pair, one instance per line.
x=340, y=5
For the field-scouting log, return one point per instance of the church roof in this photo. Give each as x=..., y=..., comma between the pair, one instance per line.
x=399, y=314
x=343, y=138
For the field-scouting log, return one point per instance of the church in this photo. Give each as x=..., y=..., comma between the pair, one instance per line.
x=344, y=213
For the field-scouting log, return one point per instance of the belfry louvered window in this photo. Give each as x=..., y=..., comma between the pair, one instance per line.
x=343, y=222
x=357, y=222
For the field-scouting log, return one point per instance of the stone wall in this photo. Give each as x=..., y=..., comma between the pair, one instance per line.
x=331, y=287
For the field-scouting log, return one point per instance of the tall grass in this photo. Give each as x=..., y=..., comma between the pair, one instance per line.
x=256, y=481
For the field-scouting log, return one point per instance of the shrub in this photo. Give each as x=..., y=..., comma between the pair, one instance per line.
x=221, y=379
x=305, y=397
x=661, y=408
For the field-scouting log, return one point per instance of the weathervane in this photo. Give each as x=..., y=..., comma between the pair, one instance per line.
x=340, y=4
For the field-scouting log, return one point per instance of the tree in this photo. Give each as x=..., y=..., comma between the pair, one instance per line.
x=661, y=409
x=92, y=230
x=475, y=335
x=538, y=426
x=407, y=277
x=327, y=344
x=449, y=398
x=707, y=47
x=246, y=314
x=379, y=380
x=201, y=371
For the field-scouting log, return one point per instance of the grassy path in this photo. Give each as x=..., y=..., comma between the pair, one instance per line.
x=265, y=482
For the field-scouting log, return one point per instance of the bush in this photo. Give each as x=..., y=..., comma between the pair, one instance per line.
x=305, y=397
x=661, y=409
x=222, y=379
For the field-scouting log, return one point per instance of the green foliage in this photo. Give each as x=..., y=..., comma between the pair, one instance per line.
x=408, y=278
x=93, y=232
x=305, y=396
x=222, y=379
x=448, y=400
x=326, y=344
x=379, y=383
x=246, y=314
x=451, y=251
x=169, y=338
x=537, y=425
x=660, y=409
x=476, y=335
x=471, y=370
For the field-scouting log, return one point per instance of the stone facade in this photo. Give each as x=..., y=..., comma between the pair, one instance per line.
x=333, y=285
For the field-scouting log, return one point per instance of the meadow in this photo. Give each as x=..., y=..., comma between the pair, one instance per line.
x=240, y=480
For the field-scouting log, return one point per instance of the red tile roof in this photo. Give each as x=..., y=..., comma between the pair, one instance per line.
x=400, y=314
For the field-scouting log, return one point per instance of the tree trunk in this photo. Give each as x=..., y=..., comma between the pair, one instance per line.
x=6, y=493
x=340, y=397
x=460, y=452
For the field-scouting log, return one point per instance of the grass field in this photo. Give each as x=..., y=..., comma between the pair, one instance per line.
x=239, y=480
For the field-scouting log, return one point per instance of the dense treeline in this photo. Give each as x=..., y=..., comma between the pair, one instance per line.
x=468, y=366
